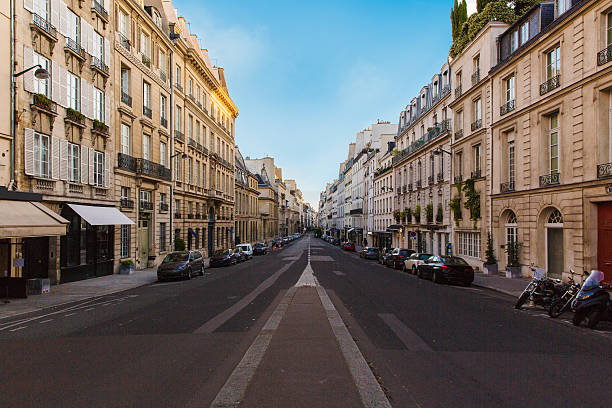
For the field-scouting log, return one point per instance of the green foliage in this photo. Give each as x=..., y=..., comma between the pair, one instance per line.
x=127, y=262
x=455, y=206
x=458, y=16
x=523, y=6
x=439, y=214
x=472, y=201
x=513, y=249
x=74, y=114
x=490, y=252
x=408, y=212
x=318, y=232
x=41, y=99
x=429, y=213
x=397, y=215
x=179, y=244
x=480, y=4
x=417, y=213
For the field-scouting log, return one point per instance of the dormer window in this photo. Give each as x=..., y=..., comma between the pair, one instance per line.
x=157, y=19
x=562, y=6
x=524, y=32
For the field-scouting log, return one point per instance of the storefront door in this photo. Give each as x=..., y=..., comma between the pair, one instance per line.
x=143, y=242
x=36, y=257
x=604, y=237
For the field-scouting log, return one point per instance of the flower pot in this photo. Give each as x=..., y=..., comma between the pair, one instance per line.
x=126, y=269
x=513, y=272
x=490, y=269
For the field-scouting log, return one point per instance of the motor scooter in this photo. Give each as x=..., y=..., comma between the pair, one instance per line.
x=592, y=301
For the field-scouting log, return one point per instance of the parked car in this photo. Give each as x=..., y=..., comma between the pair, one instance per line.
x=349, y=246
x=181, y=264
x=260, y=249
x=285, y=240
x=398, y=256
x=224, y=257
x=247, y=249
x=242, y=256
x=336, y=241
x=369, y=253
x=446, y=269
x=384, y=254
x=324, y=237
x=411, y=264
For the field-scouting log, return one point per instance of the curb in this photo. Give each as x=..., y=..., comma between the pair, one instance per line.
x=505, y=292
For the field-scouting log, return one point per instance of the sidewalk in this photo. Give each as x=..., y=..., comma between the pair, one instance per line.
x=75, y=291
x=512, y=287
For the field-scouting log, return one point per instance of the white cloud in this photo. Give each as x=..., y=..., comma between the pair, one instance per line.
x=471, y=6
x=363, y=85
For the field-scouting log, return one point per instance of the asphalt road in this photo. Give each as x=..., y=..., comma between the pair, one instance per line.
x=175, y=344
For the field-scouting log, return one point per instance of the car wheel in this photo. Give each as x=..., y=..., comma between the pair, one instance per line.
x=202, y=271
x=435, y=277
x=189, y=274
x=404, y=268
x=414, y=271
x=419, y=274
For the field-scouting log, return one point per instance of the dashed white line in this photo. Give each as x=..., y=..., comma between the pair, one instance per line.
x=46, y=321
x=18, y=328
x=87, y=310
x=69, y=314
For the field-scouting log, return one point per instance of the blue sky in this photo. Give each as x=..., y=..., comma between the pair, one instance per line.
x=307, y=76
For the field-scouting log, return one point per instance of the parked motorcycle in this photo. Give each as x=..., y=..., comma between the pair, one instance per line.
x=592, y=301
x=541, y=290
x=563, y=303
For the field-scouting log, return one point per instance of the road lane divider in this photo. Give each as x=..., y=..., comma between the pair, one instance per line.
x=411, y=340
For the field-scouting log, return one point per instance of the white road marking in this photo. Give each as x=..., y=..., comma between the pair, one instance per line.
x=339, y=273
x=411, y=340
x=87, y=310
x=69, y=314
x=46, y=321
x=18, y=328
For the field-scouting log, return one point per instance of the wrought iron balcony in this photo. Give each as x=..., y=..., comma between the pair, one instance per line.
x=162, y=76
x=604, y=56
x=192, y=143
x=126, y=98
x=409, y=186
x=163, y=207
x=458, y=91
x=146, y=60
x=42, y=102
x=477, y=173
x=177, y=215
x=551, y=179
x=430, y=179
x=506, y=187
x=97, y=8
x=440, y=177
x=147, y=112
x=143, y=166
x=164, y=122
x=179, y=87
x=459, y=134
x=403, y=189
x=551, y=84
x=124, y=41
x=507, y=107
x=190, y=216
x=458, y=179
x=476, y=77
x=419, y=183
x=604, y=170
x=146, y=205
x=44, y=26
x=476, y=125
x=126, y=203
x=179, y=135
x=96, y=63
x=75, y=48
x=190, y=96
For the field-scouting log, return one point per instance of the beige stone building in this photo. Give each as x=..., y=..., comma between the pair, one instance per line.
x=471, y=147
x=385, y=227
x=551, y=132
x=421, y=166
x=248, y=219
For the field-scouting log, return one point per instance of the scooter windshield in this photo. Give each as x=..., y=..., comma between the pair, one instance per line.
x=593, y=280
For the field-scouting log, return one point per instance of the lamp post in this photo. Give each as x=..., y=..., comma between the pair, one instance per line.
x=183, y=156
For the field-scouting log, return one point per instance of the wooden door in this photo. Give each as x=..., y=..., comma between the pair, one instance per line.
x=604, y=240
x=143, y=243
x=36, y=257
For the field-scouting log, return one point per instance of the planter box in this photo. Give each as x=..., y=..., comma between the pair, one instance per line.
x=126, y=270
x=490, y=269
x=38, y=286
x=13, y=288
x=513, y=272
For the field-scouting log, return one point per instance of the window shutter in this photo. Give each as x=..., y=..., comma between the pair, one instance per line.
x=107, y=52
x=28, y=5
x=91, y=165
x=107, y=169
x=55, y=82
x=63, y=171
x=63, y=85
x=86, y=95
x=28, y=61
x=63, y=19
x=84, y=34
x=107, y=109
x=55, y=6
x=28, y=154
x=55, y=158
x=91, y=40
x=84, y=165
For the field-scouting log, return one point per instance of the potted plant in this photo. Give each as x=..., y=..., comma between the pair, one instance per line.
x=127, y=267
x=490, y=265
x=513, y=269
x=408, y=212
x=397, y=215
x=179, y=244
x=417, y=213
x=429, y=213
x=439, y=214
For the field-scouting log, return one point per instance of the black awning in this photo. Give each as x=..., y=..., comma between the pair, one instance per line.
x=394, y=228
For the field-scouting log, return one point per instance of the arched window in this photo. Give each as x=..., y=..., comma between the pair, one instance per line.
x=511, y=227
x=555, y=217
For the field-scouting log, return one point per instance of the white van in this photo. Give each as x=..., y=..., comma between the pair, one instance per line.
x=247, y=249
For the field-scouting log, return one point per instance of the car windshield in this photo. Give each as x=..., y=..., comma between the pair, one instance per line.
x=454, y=260
x=423, y=257
x=176, y=257
x=258, y=245
x=221, y=252
x=404, y=252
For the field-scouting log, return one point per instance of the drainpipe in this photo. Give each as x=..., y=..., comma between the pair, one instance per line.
x=13, y=95
x=491, y=164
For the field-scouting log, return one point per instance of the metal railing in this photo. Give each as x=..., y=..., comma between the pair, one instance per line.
x=146, y=60
x=409, y=186
x=126, y=98
x=178, y=86
x=550, y=84
x=179, y=135
x=126, y=203
x=440, y=177
x=476, y=125
x=42, y=102
x=458, y=91
x=430, y=179
x=97, y=7
x=551, y=179
x=164, y=122
x=507, y=107
x=506, y=187
x=604, y=170
x=458, y=179
x=143, y=166
x=147, y=112
x=476, y=77
x=124, y=41
x=419, y=183
x=459, y=134
x=434, y=132
x=163, y=207
x=44, y=25
x=162, y=76
x=477, y=173
x=604, y=56
x=75, y=47
x=99, y=65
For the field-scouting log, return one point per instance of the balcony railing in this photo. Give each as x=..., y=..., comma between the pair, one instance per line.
x=551, y=84
x=604, y=170
x=177, y=215
x=551, y=179
x=506, y=187
x=409, y=186
x=419, y=183
x=179, y=87
x=44, y=25
x=179, y=135
x=146, y=60
x=124, y=41
x=190, y=216
x=604, y=56
x=432, y=133
x=458, y=179
x=164, y=122
x=143, y=166
x=97, y=63
x=430, y=179
x=126, y=98
x=75, y=47
x=147, y=112
x=97, y=7
x=41, y=102
x=440, y=177
x=458, y=91
x=507, y=107
x=162, y=76
x=192, y=143
x=477, y=173
x=126, y=203
x=476, y=125
x=476, y=77
x=163, y=207
x=459, y=134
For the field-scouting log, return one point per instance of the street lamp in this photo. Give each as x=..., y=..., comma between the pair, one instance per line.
x=40, y=73
x=183, y=156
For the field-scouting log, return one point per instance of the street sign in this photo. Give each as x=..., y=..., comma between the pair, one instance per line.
x=449, y=249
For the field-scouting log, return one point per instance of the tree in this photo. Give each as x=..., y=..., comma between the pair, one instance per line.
x=481, y=4
x=458, y=17
x=490, y=252
x=522, y=6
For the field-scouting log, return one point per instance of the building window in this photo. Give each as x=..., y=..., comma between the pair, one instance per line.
x=162, y=236
x=73, y=90
x=125, y=139
x=553, y=140
x=509, y=85
x=477, y=159
x=190, y=86
x=146, y=95
x=189, y=127
x=477, y=110
x=146, y=147
x=98, y=168
x=41, y=8
x=553, y=63
x=125, y=241
x=511, y=165
x=74, y=162
x=157, y=19
x=197, y=93
x=125, y=193
x=125, y=81
x=162, y=108
x=163, y=153
x=468, y=244
x=562, y=6
x=459, y=120
x=41, y=86
x=609, y=30
x=41, y=155
x=459, y=159
x=524, y=32
x=189, y=169
x=162, y=62
x=123, y=24
x=178, y=75
x=514, y=40
x=98, y=105
x=145, y=45
x=177, y=121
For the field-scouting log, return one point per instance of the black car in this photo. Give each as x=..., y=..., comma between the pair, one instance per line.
x=181, y=264
x=397, y=257
x=223, y=258
x=260, y=249
x=446, y=269
x=336, y=241
x=369, y=253
x=384, y=254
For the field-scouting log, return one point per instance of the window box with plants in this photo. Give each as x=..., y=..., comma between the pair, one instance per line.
x=43, y=103
x=429, y=213
x=100, y=127
x=490, y=265
x=417, y=213
x=75, y=117
x=126, y=267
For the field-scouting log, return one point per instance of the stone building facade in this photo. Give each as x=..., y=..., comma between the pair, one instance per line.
x=247, y=212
